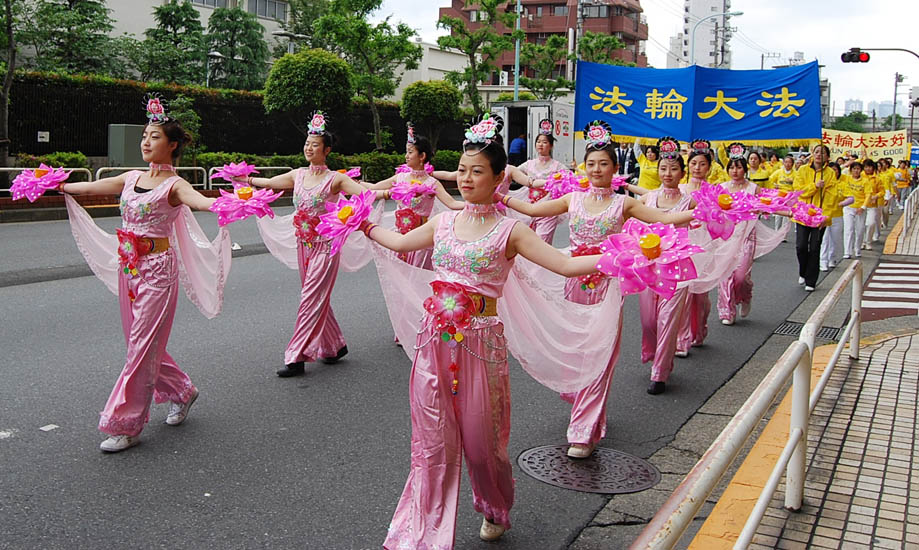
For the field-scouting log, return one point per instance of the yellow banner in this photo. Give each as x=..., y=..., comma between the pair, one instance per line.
x=873, y=145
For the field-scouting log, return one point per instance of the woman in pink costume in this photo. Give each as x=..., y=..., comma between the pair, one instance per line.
x=148, y=282
x=661, y=317
x=537, y=171
x=737, y=289
x=416, y=209
x=594, y=216
x=317, y=335
x=695, y=322
x=460, y=400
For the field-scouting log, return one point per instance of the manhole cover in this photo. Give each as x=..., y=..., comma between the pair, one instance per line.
x=607, y=471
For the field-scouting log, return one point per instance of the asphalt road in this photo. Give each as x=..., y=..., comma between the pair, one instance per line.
x=315, y=462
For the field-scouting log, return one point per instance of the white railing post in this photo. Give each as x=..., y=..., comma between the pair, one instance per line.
x=800, y=412
x=857, y=289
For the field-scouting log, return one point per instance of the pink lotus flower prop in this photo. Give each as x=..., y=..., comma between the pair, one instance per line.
x=242, y=203
x=776, y=200
x=619, y=181
x=32, y=184
x=808, y=214
x=561, y=183
x=429, y=168
x=649, y=256
x=405, y=168
x=233, y=170
x=343, y=217
x=404, y=192
x=451, y=305
x=353, y=173
x=722, y=210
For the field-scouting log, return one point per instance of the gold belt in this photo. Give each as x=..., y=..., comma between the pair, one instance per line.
x=483, y=306
x=160, y=244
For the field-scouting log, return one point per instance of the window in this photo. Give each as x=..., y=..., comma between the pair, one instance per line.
x=618, y=10
x=538, y=11
x=211, y=3
x=473, y=16
x=560, y=10
x=596, y=11
x=271, y=9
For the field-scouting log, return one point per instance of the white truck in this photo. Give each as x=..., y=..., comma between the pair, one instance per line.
x=522, y=117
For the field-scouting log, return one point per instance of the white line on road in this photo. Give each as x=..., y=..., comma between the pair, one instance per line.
x=874, y=285
x=871, y=304
x=888, y=294
x=912, y=280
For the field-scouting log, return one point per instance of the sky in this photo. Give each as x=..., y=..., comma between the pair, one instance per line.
x=821, y=29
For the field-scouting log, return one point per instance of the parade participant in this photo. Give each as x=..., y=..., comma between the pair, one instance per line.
x=159, y=240
x=817, y=182
x=784, y=177
x=317, y=335
x=647, y=163
x=416, y=209
x=459, y=390
x=737, y=289
x=774, y=163
x=537, y=170
x=886, y=177
x=593, y=216
x=660, y=317
x=695, y=319
x=874, y=190
x=759, y=173
x=831, y=247
x=853, y=212
x=902, y=178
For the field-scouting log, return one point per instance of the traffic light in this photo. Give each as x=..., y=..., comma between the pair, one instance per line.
x=855, y=55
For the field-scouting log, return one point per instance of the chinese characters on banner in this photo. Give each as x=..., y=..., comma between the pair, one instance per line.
x=698, y=102
x=873, y=145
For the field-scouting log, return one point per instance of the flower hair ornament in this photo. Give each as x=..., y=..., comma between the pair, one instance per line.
x=316, y=126
x=598, y=134
x=736, y=150
x=545, y=127
x=668, y=147
x=156, y=109
x=485, y=131
x=702, y=146
x=410, y=129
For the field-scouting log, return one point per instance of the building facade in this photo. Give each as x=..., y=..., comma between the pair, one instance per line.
x=435, y=63
x=712, y=45
x=854, y=105
x=543, y=18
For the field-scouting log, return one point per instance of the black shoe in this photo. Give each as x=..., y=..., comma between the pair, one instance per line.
x=341, y=353
x=656, y=388
x=293, y=369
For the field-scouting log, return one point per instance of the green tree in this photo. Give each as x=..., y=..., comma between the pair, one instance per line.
x=852, y=122
x=305, y=81
x=182, y=110
x=890, y=124
x=481, y=46
x=521, y=96
x=599, y=48
x=239, y=38
x=302, y=16
x=430, y=105
x=377, y=53
x=174, y=50
x=8, y=48
x=543, y=60
x=70, y=36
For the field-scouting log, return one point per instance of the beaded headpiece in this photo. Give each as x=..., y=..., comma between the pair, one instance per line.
x=702, y=146
x=736, y=150
x=668, y=147
x=316, y=126
x=545, y=127
x=411, y=133
x=485, y=131
x=598, y=134
x=156, y=109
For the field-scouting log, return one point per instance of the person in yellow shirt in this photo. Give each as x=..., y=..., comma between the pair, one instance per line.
x=852, y=190
x=647, y=162
x=773, y=163
x=831, y=247
x=817, y=183
x=885, y=176
x=874, y=191
x=901, y=176
x=784, y=177
x=758, y=174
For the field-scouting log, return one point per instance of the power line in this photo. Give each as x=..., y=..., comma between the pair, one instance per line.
x=752, y=42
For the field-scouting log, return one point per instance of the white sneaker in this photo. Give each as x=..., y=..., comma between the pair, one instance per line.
x=178, y=411
x=809, y=288
x=117, y=443
x=580, y=450
x=745, y=309
x=867, y=247
x=490, y=531
x=682, y=353
x=727, y=322
x=824, y=268
x=800, y=280
x=847, y=257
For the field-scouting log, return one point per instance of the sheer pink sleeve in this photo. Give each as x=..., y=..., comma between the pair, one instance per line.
x=720, y=258
x=278, y=235
x=767, y=238
x=356, y=252
x=203, y=264
x=100, y=249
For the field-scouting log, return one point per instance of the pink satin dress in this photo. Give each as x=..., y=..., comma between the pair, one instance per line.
x=148, y=304
x=422, y=207
x=694, y=328
x=587, y=424
x=544, y=227
x=474, y=422
x=316, y=333
x=738, y=288
x=661, y=318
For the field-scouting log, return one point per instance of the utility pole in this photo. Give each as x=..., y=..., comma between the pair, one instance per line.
x=897, y=79
x=715, y=50
x=763, y=57
x=873, y=120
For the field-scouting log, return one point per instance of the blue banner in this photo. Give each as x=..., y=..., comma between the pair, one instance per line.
x=701, y=103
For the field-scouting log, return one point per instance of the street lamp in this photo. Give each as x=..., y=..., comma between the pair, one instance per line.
x=290, y=38
x=517, y=55
x=207, y=66
x=692, y=40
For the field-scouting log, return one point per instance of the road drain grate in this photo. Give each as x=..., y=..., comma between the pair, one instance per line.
x=791, y=328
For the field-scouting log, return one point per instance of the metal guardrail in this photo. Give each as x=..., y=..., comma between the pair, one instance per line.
x=210, y=173
x=668, y=525
x=89, y=175
x=178, y=169
x=910, y=206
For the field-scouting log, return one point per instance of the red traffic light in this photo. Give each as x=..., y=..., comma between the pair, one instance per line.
x=855, y=55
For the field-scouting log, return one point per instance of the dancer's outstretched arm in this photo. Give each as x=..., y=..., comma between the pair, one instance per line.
x=417, y=239
x=527, y=243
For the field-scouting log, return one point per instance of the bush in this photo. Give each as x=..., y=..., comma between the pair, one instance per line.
x=302, y=82
x=56, y=160
x=446, y=160
x=509, y=96
x=431, y=105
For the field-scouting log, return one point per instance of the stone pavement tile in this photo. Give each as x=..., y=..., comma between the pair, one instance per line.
x=825, y=542
x=859, y=538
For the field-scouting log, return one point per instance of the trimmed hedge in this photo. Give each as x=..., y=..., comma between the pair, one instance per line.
x=57, y=159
